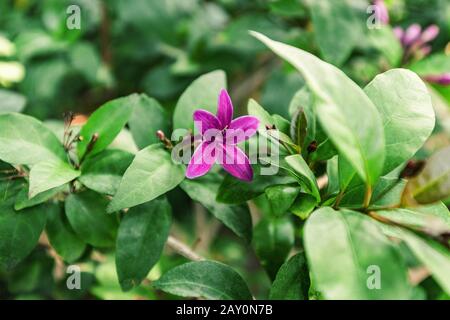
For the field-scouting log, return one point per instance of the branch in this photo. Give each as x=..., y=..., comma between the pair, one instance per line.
x=183, y=249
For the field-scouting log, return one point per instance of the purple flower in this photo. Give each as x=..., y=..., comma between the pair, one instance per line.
x=443, y=79
x=413, y=37
x=220, y=134
x=381, y=11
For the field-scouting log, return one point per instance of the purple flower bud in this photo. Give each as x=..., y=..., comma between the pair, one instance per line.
x=399, y=33
x=430, y=33
x=425, y=50
x=443, y=79
x=412, y=34
x=381, y=11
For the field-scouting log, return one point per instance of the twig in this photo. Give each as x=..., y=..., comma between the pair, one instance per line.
x=183, y=249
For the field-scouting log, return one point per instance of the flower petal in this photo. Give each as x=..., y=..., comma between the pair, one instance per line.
x=399, y=33
x=205, y=120
x=430, y=33
x=224, y=109
x=235, y=162
x=202, y=160
x=241, y=129
x=412, y=34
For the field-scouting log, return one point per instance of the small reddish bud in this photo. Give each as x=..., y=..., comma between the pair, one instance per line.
x=412, y=168
x=312, y=146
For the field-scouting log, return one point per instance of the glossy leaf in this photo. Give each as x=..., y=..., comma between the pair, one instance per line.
x=22, y=200
x=87, y=215
x=235, y=191
x=208, y=279
x=281, y=197
x=19, y=133
x=292, y=280
x=405, y=107
x=140, y=241
x=103, y=172
x=352, y=244
x=19, y=230
x=273, y=240
x=61, y=235
x=307, y=178
x=48, y=175
x=235, y=217
x=345, y=112
x=151, y=174
x=303, y=205
x=107, y=121
x=148, y=117
x=201, y=94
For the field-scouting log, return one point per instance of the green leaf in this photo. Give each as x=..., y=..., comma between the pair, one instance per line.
x=265, y=119
x=434, y=219
x=235, y=191
x=433, y=255
x=306, y=176
x=208, y=279
x=353, y=245
x=86, y=212
x=11, y=101
x=22, y=200
x=25, y=140
x=385, y=41
x=433, y=183
x=151, y=174
x=107, y=121
x=435, y=64
x=406, y=111
x=61, y=235
x=48, y=175
x=140, y=241
x=273, y=240
x=103, y=172
x=148, y=117
x=346, y=114
x=235, y=217
x=292, y=280
x=303, y=205
x=203, y=93
x=19, y=230
x=347, y=23
x=281, y=197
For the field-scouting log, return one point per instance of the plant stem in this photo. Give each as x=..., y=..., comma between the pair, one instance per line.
x=367, y=196
x=183, y=249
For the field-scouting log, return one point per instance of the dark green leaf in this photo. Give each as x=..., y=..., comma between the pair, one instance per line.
x=86, y=213
x=140, y=241
x=281, y=197
x=273, y=240
x=103, y=172
x=22, y=200
x=292, y=280
x=19, y=230
x=61, y=235
x=148, y=117
x=208, y=279
x=235, y=217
